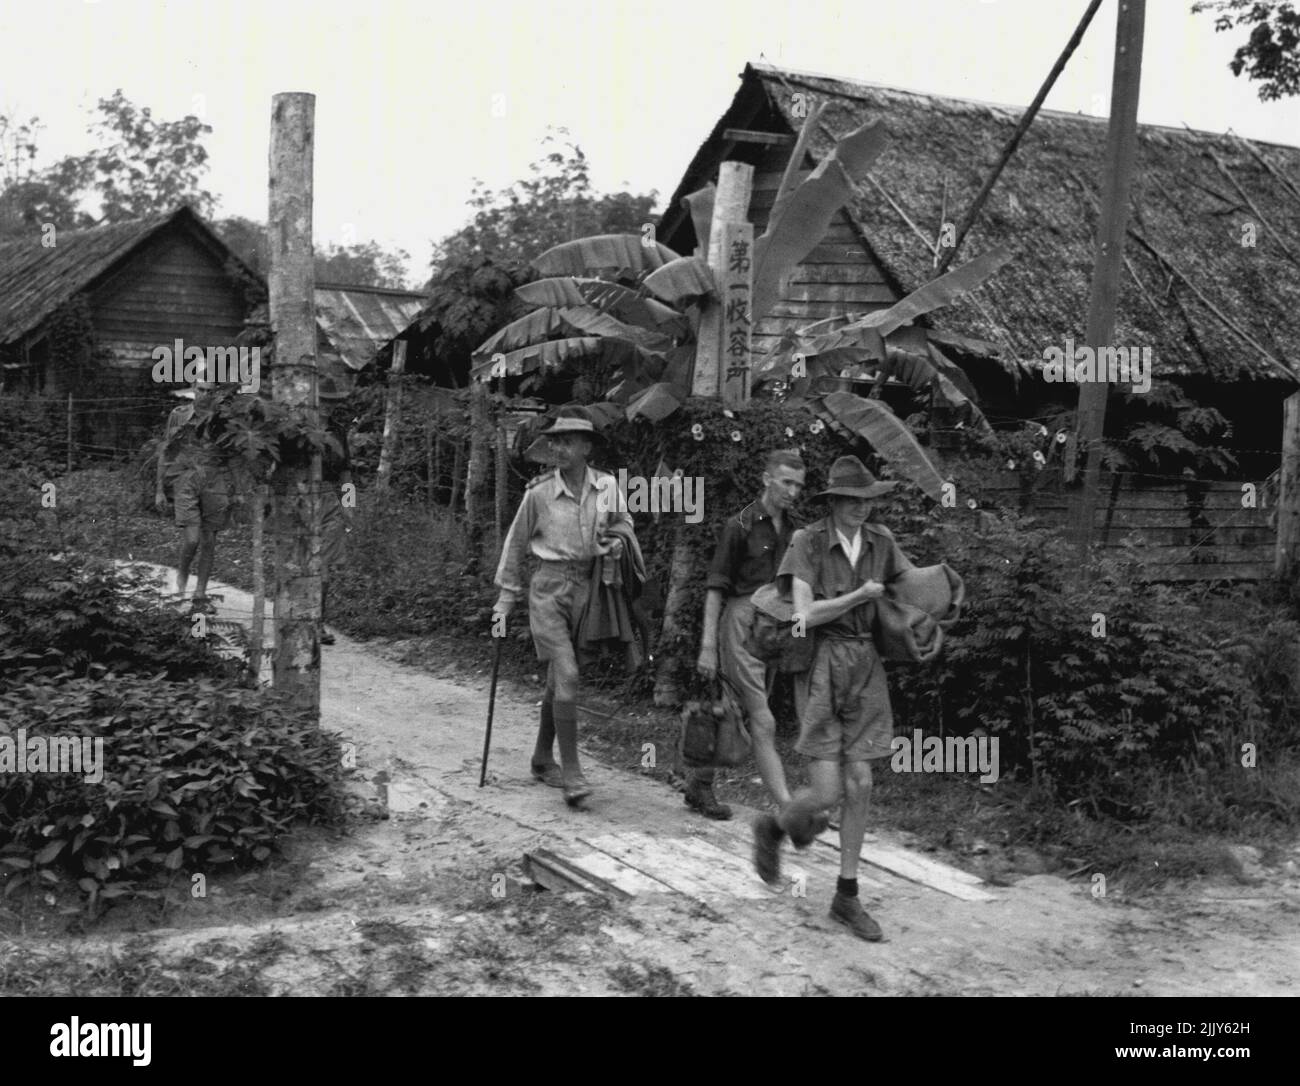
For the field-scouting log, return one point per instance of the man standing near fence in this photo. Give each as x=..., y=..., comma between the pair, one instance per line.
x=748, y=554
x=191, y=465
x=836, y=569
x=563, y=522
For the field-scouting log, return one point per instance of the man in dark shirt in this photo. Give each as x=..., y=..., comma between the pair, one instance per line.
x=748, y=553
x=836, y=570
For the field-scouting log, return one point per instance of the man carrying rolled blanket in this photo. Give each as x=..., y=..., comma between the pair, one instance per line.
x=565, y=520
x=835, y=570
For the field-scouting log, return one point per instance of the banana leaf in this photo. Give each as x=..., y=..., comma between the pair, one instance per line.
x=657, y=402
x=532, y=327
x=617, y=300
x=549, y=355
x=700, y=206
x=879, y=427
x=938, y=292
x=592, y=322
x=625, y=254
x=807, y=213
x=682, y=280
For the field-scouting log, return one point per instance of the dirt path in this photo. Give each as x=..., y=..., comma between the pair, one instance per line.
x=412, y=902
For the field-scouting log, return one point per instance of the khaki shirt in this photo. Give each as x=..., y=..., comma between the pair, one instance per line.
x=880, y=559
x=555, y=525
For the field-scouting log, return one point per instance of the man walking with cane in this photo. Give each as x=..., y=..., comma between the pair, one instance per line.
x=748, y=554
x=563, y=523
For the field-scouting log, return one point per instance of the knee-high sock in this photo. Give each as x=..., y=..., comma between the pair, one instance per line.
x=544, y=751
x=703, y=774
x=566, y=730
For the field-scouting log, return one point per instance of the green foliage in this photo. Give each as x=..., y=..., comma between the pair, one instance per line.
x=554, y=204
x=140, y=166
x=1271, y=55
x=1091, y=686
x=366, y=264
x=197, y=777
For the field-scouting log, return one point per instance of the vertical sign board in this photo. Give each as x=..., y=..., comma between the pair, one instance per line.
x=736, y=288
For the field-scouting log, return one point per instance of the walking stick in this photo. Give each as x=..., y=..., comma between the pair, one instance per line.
x=492, y=702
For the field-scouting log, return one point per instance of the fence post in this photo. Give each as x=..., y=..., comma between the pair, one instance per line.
x=1288, y=496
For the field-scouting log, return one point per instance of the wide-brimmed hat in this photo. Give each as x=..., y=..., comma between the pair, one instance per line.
x=849, y=478
x=572, y=420
x=184, y=393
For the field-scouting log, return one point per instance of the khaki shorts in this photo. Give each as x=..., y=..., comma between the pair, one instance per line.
x=203, y=500
x=843, y=704
x=557, y=596
x=747, y=672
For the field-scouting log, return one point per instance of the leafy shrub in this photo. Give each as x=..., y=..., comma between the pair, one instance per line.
x=63, y=614
x=196, y=776
x=1088, y=686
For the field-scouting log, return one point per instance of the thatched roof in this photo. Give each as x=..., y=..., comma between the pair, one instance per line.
x=1184, y=207
x=35, y=280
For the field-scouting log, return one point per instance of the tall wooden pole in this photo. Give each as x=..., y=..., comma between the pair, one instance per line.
x=1117, y=175
x=1022, y=126
x=297, y=483
x=392, y=416
x=1287, y=562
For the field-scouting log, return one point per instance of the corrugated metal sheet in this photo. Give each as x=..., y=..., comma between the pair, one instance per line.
x=360, y=321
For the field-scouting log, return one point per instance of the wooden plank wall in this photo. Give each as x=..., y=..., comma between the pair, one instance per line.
x=837, y=277
x=1192, y=535
x=173, y=288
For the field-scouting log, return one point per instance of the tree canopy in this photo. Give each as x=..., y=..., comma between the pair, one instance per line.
x=555, y=203
x=1271, y=54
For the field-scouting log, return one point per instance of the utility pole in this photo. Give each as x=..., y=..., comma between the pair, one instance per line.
x=1112, y=222
x=297, y=480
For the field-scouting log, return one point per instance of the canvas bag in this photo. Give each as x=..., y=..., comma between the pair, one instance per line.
x=714, y=732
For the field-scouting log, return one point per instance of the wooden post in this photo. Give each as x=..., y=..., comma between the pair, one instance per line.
x=1022, y=126
x=297, y=485
x=736, y=283
x=1121, y=149
x=259, y=587
x=1287, y=562
x=392, y=413
x=501, y=482
x=428, y=464
x=480, y=418
x=731, y=205
x=70, y=432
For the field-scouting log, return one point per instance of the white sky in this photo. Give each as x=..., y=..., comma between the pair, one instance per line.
x=404, y=91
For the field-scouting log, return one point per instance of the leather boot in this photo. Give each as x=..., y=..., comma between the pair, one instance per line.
x=544, y=767
x=700, y=797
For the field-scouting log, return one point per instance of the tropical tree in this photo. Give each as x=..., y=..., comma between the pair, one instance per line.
x=1271, y=53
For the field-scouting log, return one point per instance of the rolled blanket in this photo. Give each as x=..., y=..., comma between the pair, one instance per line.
x=916, y=609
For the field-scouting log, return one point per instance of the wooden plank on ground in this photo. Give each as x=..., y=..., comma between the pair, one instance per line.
x=554, y=872
x=665, y=860
x=916, y=868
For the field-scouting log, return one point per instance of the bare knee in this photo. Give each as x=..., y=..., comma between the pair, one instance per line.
x=762, y=726
x=857, y=782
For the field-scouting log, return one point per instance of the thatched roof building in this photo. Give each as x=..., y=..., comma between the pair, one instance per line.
x=1222, y=316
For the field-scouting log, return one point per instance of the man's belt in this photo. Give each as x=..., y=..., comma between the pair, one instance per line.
x=579, y=568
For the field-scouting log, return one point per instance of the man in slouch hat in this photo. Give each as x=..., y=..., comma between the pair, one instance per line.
x=564, y=522
x=835, y=571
